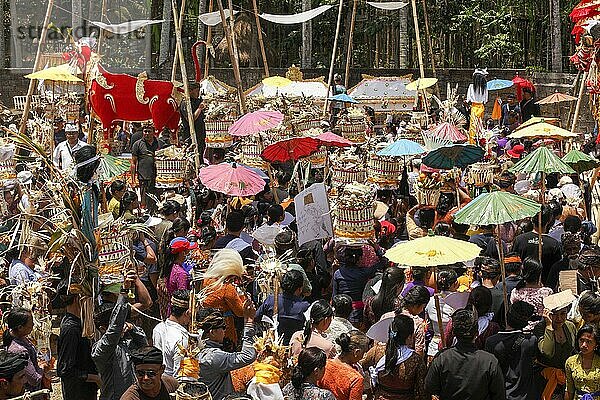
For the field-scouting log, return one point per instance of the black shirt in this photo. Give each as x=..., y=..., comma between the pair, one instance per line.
x=464, y=373
x=526, y=245
x=529, y=109
x=146, y=166
x=515, y=352
x=59, y=136
x=74, y=361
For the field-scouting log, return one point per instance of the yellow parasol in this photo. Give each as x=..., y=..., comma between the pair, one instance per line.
x=421, y=83
x=60, y=73
x=542, y=130
x=431, y=251
x=537, y=120
x=276, y=81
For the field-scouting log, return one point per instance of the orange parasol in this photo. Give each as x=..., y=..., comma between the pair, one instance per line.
x=556, y=97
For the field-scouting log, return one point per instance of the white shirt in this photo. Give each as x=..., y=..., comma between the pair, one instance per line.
x=474, y=97
x=63, y=154
x=165, y=337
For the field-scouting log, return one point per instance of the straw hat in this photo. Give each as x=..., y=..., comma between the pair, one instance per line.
x=559, y=301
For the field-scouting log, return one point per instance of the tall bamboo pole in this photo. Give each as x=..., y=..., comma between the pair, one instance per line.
x=335, y=43
x=208, y=43
x=502, y=271
x=236, y=54
x=180, y=19
x=418, y=38
x=260, y=39
x=430, y=45
x=100, y=36
x=579, y=99
x=236, y=67
x=36, y=67
x=186, y=89
x=350, y=39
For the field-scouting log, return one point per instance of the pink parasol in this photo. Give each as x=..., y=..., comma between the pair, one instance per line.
x=447, y=131
x=256, y=122
x=330, y=139
x=231, y=179
x=291, y=149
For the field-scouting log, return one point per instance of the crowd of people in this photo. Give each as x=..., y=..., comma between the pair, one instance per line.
x=191, y=307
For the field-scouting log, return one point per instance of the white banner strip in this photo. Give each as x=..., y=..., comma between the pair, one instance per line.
x=126, y=27
x=295, y=18
x=392, y=5
x=214, y=18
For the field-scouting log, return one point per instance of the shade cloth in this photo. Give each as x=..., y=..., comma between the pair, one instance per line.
x=126, y=27
x=295, y=18
x=213, y=18
x=392, y=5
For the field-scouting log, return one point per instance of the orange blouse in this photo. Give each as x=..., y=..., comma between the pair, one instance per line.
x=342, y=380
x=227, y=300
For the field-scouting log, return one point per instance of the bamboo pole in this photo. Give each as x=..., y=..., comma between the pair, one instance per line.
x=260, y=39
x=175, y=57
x=236, y=67
x=188, y=103
x=542, y=199
x=430, y=45
x=438, y=311
x=36, y=67
x=579, y=98
x=335, y=43
x=418, y=38
x=100, y=36
x=208, y=43
x=503, y=272
x=350, y=39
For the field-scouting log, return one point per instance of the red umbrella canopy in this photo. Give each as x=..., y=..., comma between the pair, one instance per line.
x=291, y=149
x=447, y=131
x=333, y=140
x=231, y=179
x=585, y=9
x=522, y=83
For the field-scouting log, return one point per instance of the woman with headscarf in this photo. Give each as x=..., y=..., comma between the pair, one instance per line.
x=399, y=373
x=321, y=315
x=221, y=288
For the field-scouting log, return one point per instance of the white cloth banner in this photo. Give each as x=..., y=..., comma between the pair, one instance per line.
x=214, y=18
x=295, y=18
x=392, y=5
x=126, y=27
x=312, y=214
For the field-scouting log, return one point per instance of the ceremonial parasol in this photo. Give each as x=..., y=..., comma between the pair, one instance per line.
x=522, y=83
x=231, y=179
x=499, y=84
x=537, y=120
x=111, y=167
x=456, y=155
x=401, y=148
x=556, y=97
x=580, y=161
x=276, y=81
x=585, y=9
x=545, y=162
x=290, y=149
x=330, y=139
x=421, y=83
x=256, y=122
x=542, y=130
x=432, y=251
x=447, y=131
x=343, y=98
x=60, y=73
x=497, y=208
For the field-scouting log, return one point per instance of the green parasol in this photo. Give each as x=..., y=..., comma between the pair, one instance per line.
x=112, y=167
x=544, y=161
x=496, y=208
x=580, y=161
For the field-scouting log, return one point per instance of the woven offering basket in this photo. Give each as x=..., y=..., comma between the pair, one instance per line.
x=8, y=169
x=353, y=129
x=303, y=125
x=170, y=172
x=217, y=133
x=114, y=252
x=354, y=223
x=481, y=174
x=427, y=197
x=192, y=391
x=384, y=171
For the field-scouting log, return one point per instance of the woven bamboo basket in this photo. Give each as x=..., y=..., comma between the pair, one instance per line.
x=384, y=171
x=342, y=176
x=8, y=169
x=481, y=174
x=170, y=172
x=217, y=133
x=354, y=222
x=192, y=391
x=304, y=125
x=318, y=159
x=114, y=252
x=251, y=149
x=353, y=129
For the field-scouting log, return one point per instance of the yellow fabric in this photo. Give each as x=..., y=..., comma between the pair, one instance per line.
x=114, y=207
x=588, y=381
x=497, y=111
x=477, y=112
x=266, y=373
x=190, y=368
x=554, y=377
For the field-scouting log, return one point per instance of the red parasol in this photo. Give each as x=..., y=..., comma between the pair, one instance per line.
x=585, y=9
x=447, y=131
x=290, y=149
x=520, y=84
x=330, y=139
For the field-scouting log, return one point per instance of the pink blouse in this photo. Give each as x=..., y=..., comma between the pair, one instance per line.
x=179, y=279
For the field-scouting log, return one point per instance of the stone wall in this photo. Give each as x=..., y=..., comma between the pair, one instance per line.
x=13, y=83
